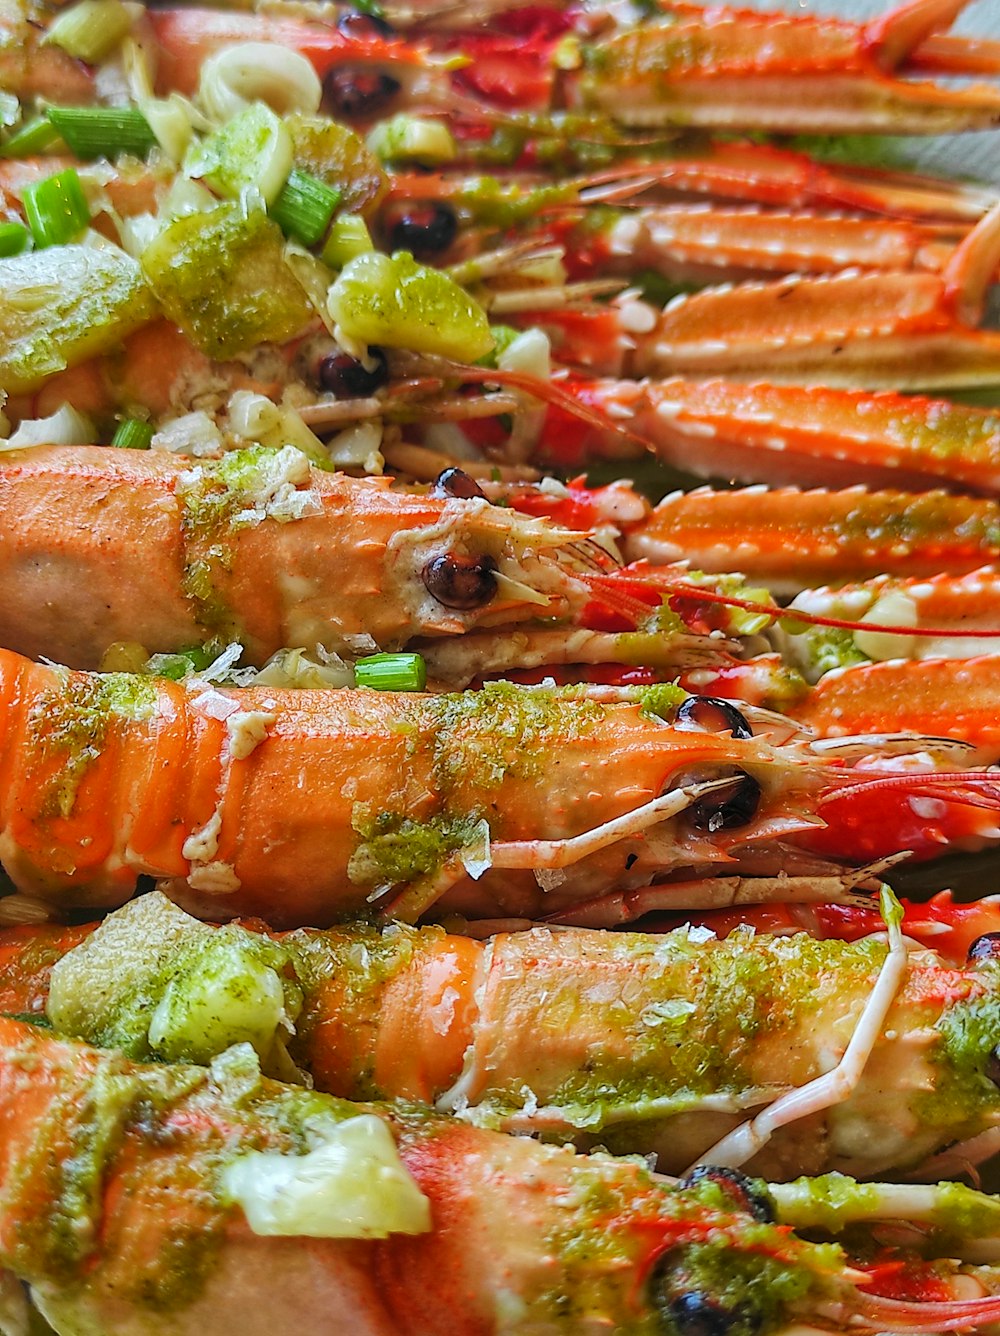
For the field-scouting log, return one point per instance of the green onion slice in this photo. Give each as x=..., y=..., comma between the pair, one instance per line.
x=13, y=238
x=133, y=434
x=392, y=672
x=304, y=207
x=37, y=137
x=103, y=132
x=56, y=208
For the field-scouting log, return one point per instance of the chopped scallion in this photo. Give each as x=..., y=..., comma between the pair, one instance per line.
x=56, y=208
x=391, y=672
x=305, y=206
x=37, y=137
x=13, y=238
x=103, y=132
x=133, y=434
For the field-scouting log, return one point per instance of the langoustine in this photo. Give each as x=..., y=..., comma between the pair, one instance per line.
x=849, y=69
x=801, y=435
x=306, y=806
x=475, y=1232
x=766, y=58
x=252, y=547
x=637, y=1043
x=260, y=547
x=791, y=539
x=854, y=329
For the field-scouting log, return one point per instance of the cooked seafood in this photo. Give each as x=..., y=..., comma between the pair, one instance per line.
x=663, y=1043
x=395, y=1222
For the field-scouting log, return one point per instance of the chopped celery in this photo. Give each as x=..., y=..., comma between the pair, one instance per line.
x=133, y=434
x=398, y=303
x=392, y=672
x=103, y=132
x=56, y=208
x=305, y=206
x=252, y=150
x=340, y=158
x=91, y=30
x=13, y=238
x=64, y=304
x=222, y=277
x=36, y=137
x=347, y=238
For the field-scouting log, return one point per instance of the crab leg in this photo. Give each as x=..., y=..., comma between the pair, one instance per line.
x=949, y=698
x=792, y=540
x=786, y=434
x=736, y=69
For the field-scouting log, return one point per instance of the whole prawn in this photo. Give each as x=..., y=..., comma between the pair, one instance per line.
x=125, y=1206
x=259, y=546
x=306, y=806
x=654, y=1043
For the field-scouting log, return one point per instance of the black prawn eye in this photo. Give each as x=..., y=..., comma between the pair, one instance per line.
x=983, y=948
x=457, y=483
x=726, y=808
x=353, y=90
x=345, y=377
x=356, y=24
x=712, y=712
x=686, y=1310
x=461, y=582
x=747, y=1194
x=423, y=229
x=698, y=1314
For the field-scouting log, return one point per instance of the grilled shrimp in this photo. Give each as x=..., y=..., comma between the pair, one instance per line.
x=306, y=806
x=260, y=547
x=662, y=1043
x=140, y=1199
